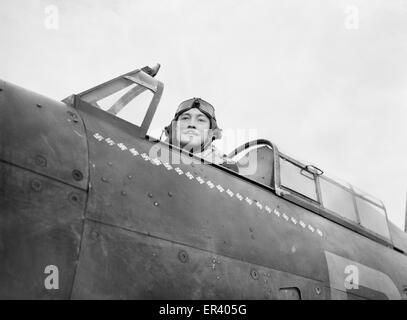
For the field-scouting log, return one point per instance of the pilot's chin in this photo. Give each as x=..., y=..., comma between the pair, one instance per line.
x=191, y=141
x=191, y=146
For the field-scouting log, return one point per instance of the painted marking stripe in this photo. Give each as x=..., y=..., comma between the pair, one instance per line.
x=157, y=162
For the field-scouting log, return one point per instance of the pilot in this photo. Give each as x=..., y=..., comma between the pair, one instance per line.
x=194, y=128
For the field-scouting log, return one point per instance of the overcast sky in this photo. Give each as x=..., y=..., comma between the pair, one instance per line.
x=324, y=80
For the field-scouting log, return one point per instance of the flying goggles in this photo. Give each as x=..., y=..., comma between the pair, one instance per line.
x=205, y=107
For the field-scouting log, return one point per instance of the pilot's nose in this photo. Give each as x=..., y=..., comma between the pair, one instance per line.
x=192, y=123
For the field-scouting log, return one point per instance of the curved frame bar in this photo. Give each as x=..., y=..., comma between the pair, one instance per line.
x=276, y=157
x=144, y=82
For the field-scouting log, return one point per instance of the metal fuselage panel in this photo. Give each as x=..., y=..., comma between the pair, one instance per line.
x=43, y=190
x=42, y=135
x=41, y=223
x=146, y=229
x=197, y=231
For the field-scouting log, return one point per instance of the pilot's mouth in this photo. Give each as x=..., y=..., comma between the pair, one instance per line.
x=193, y=132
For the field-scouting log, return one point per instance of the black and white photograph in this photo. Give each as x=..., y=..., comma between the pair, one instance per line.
x=215, y=152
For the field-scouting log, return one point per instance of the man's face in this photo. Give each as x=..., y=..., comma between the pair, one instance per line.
x=192, y=129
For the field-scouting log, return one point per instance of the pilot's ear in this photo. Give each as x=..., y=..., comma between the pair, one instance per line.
x=216, y=134
x=167, y=130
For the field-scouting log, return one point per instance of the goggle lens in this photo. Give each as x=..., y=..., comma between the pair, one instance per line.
x=204, y=106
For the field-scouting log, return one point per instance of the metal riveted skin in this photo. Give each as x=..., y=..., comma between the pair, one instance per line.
x=203, y=219
x=43, y=192
x=123, y=264
x=46, y=140
x=153, y=230
x=186, y=218
x=38, y=228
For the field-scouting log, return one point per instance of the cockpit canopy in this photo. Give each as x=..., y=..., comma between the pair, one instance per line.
x=310, y=186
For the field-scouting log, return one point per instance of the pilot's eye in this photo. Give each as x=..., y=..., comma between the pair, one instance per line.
x=184, y=117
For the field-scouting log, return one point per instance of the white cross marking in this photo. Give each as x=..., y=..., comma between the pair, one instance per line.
x=189, y=175
x=167, y=165
x=110, y=142
x=145, y=156
x=98, y=137
x=200, y=180
x=134, y=152
x=210, y=184
x=122, y=146
x=156, y=161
